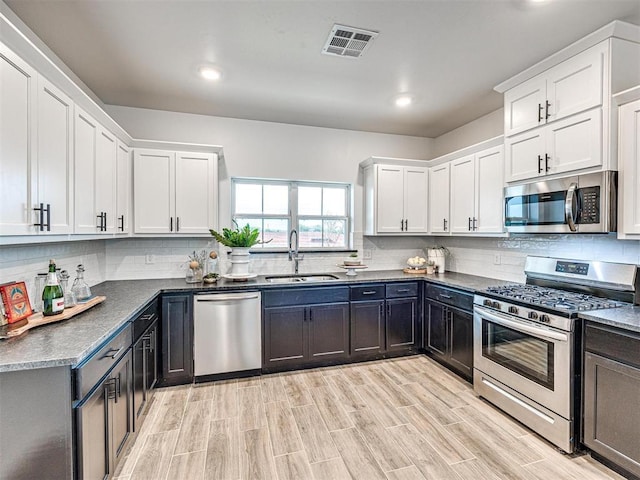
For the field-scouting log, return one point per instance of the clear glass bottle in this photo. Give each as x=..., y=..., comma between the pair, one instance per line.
x=38, y=287
x=80, y=287
x=69, y=297
x=52, y=295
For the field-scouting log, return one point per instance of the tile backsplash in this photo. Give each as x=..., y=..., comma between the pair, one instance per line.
x=141, y=258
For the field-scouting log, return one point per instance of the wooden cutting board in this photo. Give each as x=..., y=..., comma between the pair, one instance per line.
x=37, y=319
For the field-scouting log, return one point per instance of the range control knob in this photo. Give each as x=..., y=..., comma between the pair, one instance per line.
x=545, y=318
x=533, y=315
x=496, y=305
x=487, y=303
x=513, y=309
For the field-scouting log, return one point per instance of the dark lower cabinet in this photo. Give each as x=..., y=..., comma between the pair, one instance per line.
x=611, y=396
x=401, y=323
x=145, y=371
x=367, y=327
x=177, y=339
x=285, y=336
x=448, y=331
x=104, y=423
x=328, y=332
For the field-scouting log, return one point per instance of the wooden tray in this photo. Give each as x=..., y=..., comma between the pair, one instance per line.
x=421, y=271
x=37, y=319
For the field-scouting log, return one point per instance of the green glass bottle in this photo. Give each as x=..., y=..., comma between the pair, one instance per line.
x=52, y=295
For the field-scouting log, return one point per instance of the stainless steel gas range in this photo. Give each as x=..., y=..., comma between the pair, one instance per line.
x=526, y=344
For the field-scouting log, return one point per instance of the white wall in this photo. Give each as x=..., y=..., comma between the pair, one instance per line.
x=483, y=128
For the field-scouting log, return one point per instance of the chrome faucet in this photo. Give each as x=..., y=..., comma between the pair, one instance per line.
x=294, y=255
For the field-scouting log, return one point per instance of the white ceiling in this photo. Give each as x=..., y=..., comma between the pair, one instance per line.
x=449, y=54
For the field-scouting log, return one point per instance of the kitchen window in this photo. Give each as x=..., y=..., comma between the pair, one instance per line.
x=318, y=211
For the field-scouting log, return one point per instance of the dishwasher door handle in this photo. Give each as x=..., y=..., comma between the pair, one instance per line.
x=225, y=298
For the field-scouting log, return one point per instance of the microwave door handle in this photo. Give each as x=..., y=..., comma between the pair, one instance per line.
x=543, y=333
x=569, y=211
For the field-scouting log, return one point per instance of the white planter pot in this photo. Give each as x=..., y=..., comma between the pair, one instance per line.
x=240, y=260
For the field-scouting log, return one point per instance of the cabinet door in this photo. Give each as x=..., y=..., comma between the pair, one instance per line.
x=576, y=85
x=55, y=156
x=151, y=361
x=139, y=361
x=285, y=336
x=92, y=425
x=439, y=199
x=629, y=163
x=195, y=192
x=575, y=142
x=105, y=181
x=328, y=331
x=123, y=188
x=85, y=144
x=416, y=187
x=367, y=327
x=390, y=199
x=489, y=204
x=120, y=410
x=524, y=106
x=611, y=415
x=402, y=315
x=524, y=155
x=177, y=343
x=437, y=329
x=153, y=191
x=17, y=144
x=461, y=341
x=462, y=194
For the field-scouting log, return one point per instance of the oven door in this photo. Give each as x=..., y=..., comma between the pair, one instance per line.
x=532, y=359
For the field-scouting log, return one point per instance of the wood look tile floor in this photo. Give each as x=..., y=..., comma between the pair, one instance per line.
x=406, y=418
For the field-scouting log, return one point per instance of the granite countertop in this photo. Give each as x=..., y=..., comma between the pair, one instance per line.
x=69, y=342
x=627, y=318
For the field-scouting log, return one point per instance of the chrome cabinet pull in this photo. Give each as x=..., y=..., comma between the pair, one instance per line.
x=112, y=353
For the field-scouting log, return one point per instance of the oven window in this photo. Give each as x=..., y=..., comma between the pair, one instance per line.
x=524, y=354
x=537, y=209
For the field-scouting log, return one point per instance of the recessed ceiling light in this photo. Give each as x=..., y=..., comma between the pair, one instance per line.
x=403, y=100
x=210, y=73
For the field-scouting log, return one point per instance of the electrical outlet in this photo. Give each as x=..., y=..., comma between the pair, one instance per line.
x=366, y=254
x=496, y=259
x=150, y=259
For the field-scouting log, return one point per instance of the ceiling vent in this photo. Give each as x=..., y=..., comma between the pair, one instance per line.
x=348, y=41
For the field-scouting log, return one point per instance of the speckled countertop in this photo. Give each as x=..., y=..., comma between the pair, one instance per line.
x=627, y=318
x=71, y=341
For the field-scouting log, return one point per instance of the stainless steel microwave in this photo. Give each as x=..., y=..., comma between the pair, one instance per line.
x=577, y=204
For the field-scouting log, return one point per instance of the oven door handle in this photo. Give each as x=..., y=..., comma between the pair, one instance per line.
x=520, y=326
x=569, y=212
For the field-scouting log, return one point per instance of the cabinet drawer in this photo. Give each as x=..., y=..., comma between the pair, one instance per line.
x=395, y=290
x=146, y=318
x=304, y=296
x=91, y=370
x=613, y=343
x=367, y=292
x=448, y=296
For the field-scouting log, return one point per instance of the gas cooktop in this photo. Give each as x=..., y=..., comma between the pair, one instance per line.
x=551, y=298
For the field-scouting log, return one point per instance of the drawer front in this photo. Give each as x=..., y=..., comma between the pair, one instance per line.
x=612, y=343
x=97, y=365
x=367, y=292
x=145, y=319
x=304, y=296
x=396, y=290
x=449, y=296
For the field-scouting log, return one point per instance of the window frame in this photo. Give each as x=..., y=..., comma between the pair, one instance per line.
x=293, y=217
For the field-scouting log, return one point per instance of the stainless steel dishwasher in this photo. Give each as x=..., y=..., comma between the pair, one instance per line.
x=227, y=333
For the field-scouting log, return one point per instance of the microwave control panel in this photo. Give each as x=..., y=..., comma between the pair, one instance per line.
x=589, y=205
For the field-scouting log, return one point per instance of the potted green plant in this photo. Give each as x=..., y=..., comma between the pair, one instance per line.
x=240, y=240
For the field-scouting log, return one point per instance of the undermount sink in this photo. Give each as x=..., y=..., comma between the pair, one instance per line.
x=300, y=278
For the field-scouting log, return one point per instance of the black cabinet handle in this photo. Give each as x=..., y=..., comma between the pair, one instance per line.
x=540, y=108
x=121, y=219
x=40, y=211
x=177, y=224
x=402, y=225
x=406, y=224
x=311, y=315
x=118, y=392
x=171, y=224
x=444, y=224
x=469, y=224
x=546, y=162
x=442, y=295
x=48, y=217
x=110, y=388
x=539, y=162
x=369, y=292
x=475, y=220
x=381, y=310
x=547, y=113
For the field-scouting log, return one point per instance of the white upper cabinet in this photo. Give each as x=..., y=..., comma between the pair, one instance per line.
x=477, y=194
x=571, y=87
x=18, y=92
x=629, y=176
x=560, y=120
x=123, y=188
x=395, y=199
x=85, y=142
x=105, y=180
x=174, y=192
x=439, y=199
x=55, y=164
